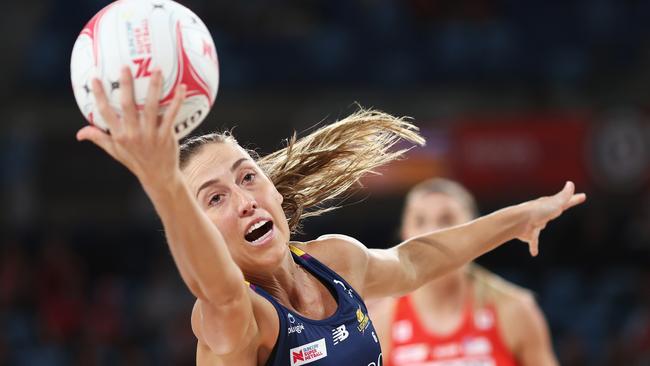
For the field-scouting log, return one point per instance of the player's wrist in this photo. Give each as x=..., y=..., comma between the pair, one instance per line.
x=163, y=187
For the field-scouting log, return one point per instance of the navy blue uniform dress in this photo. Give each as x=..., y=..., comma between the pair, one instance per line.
x=347, y=338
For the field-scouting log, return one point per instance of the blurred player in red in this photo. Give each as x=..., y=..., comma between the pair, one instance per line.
x=468, y=317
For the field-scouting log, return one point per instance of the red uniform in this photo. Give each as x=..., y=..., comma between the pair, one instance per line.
x=476, y=342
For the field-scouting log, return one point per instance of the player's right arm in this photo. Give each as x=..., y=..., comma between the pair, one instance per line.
x=148, y=148
x=224, y=304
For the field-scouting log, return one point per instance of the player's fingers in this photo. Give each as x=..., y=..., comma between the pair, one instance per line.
x=104, y=108
x=566, y=192
x=127, y=101
x=533, y=243
x=172, y=111
x=576, y=199
x=152, y=102
x=98, y=137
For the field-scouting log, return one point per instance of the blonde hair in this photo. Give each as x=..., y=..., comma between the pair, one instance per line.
x=489, y=287
x=446, y=187
x=312, y=171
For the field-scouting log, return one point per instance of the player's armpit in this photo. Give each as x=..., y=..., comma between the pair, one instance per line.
x=227, y=328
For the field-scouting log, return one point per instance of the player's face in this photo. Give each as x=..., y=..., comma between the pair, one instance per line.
x=432, y=211
x=242, y=202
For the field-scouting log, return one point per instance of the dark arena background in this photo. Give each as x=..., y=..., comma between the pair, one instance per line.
x=514, y=97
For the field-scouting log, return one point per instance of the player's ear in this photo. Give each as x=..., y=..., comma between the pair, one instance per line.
x=277, y=195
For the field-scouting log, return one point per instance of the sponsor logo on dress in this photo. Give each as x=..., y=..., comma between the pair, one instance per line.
x=469, y=349
x=363, y=320
x=474, y=351
x=483, y=319
x=339, y=334
x=298, y=328
x=294, y=327
x=447, y=350
x=348, y=290
x=477, y=346
x=402, y=331
x=410, y=354
x=308, y=353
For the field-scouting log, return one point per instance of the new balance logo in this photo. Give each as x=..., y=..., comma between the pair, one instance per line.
x=339, y=334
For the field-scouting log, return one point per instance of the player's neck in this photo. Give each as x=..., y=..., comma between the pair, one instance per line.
x=294, y=287
x=446, y=294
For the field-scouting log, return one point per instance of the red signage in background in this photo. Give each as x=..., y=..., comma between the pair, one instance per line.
x=519, y=155
x=516, y=156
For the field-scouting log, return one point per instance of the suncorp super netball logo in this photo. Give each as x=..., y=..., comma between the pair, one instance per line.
x=308, y=353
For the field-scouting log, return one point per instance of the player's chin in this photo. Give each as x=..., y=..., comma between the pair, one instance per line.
x=266, y=261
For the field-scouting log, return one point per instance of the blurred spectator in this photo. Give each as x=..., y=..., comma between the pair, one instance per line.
x=60, y=289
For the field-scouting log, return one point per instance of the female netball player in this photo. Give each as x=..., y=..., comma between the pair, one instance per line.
x=261, y=299
x=466, y=317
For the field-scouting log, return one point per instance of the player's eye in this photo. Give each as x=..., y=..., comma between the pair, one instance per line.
x=248, y=178
x=215, y=199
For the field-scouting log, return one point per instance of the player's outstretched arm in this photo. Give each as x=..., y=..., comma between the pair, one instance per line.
x=146, y=145
x=412, y=263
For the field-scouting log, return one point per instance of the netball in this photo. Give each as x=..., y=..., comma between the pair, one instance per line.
x=146, y=35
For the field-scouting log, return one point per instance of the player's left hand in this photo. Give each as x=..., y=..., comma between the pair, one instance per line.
x=142, y=141
x=545, y=209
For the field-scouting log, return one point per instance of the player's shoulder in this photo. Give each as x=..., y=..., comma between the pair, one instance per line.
x=514, y=303
x=514, y=295
x=334, y=246
x=340, y=239
x=520, y=317
x=497, y=290
x=518, y=305
x=344, y=254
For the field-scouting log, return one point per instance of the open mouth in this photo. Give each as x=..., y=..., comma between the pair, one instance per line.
x=258, y=232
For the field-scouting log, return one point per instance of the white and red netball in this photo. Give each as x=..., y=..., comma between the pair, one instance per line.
x=146, y=34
